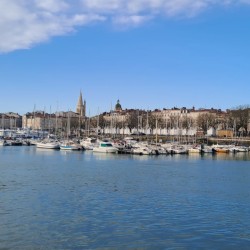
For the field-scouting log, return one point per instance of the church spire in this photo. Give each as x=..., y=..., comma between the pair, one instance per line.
x=80, y=103
x=80, y=108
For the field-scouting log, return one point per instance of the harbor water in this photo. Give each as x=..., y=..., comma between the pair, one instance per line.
x=84, y=200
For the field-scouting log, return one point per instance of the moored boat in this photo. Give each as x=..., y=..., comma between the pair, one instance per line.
x=141, y=151
x=105, y=147
x=4, y=143
x=48, y=145
x=70, y=146
x=88, y=143
x=178, y=150
x=221, y=150
x=194, y=150
x=207, y=149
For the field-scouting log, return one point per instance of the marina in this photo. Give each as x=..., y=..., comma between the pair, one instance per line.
x=124, y=125
x=126, y=145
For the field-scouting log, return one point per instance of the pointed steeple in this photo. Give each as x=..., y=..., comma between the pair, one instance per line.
x=80, y=109
x=80, y=103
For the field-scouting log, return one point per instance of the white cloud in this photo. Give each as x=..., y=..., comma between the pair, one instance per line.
x=25, y=23
x=130, y=21
x=52, y=5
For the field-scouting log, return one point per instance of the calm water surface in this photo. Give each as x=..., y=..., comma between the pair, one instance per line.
x=80, y=200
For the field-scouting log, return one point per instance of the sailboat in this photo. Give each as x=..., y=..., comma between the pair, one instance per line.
x=69, y=145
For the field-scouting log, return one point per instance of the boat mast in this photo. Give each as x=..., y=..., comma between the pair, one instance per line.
x=156, y=130
x=49, y=119
x=68, y=126
x=138, y=117
x=147, y=125
x=98, y=121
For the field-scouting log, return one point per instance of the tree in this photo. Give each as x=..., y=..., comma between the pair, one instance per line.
x=133, y=119
x=101, y=121
x=187, y=122
x=240, y=117
x=204, y=121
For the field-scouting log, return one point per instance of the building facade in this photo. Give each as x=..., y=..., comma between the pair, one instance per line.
x=58, y=121
x=40, y=120
x=10, y=120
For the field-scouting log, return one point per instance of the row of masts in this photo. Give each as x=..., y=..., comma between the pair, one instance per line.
x=87, y=122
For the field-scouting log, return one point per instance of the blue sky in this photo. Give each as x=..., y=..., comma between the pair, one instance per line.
x=156, y=54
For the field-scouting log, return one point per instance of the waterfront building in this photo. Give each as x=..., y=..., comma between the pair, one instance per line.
x=117, y=116
x=40, y=120
x=225, y=133
x=10, y=120
x=174, y=121
x=182, y=113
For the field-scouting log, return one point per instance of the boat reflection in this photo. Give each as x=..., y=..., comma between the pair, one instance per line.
x=46, y=151
x=241, y=156
x=105, y=156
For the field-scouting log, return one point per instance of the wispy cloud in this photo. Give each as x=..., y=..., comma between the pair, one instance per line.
x=25, y=23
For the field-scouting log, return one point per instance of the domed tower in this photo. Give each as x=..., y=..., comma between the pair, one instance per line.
x=81, y=108
x=118, y=106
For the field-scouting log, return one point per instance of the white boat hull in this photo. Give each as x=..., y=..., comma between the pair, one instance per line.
x=105, y=150
x=194, y=151
x=47, y=145
x=69, y=147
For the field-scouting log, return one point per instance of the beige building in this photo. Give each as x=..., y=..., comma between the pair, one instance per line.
x=174, y=115
x=40, y=120
x=184, y=112
x=225, y=133
x=180, y=114
x=10, y=120
x=43, y=121
x=117, y=115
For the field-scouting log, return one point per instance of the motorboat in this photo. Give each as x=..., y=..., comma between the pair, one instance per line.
x=70, y=146
x=130, y=141
x=105, y=147
x=16, y=143
x=242, y=149
x=195, y=150
x=207, y=149
x=179, y=150
x=220, y=148
x=48, y=145
x=88, y=143
x=4, y=143
x=141, y=151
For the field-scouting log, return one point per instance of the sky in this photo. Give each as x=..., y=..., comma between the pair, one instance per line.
x=147, y=53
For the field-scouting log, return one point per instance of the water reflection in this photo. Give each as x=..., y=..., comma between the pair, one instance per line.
x=142, y=157
x=71, y=152
x=86, y=200
x=241, y=156
x=90, y=155
x=108, y=156
x=45, y=151
x=105, y=156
